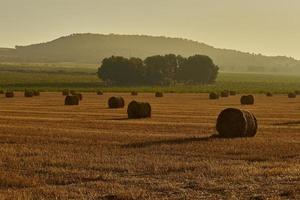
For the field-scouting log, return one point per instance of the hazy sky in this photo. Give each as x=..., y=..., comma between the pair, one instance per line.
x=270, y=27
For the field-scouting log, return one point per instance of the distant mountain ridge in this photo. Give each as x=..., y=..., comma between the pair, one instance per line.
x=92, y=48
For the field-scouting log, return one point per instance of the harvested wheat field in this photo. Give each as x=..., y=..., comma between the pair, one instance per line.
x=52, y=151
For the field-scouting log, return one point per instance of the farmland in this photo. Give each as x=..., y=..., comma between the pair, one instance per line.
x=52, y=151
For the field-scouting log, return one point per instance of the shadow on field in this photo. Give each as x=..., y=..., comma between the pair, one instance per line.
x=170, y=142
x=287, y=123
x=118, y=119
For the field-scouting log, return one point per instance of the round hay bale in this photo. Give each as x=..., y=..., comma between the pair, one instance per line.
x=234, y=122
x=99, y=93
x=247, y=100
x=213, y=95
x=65, y=92
x=138, y=110
x=72, y=100
x=292, y=95
x=159, y=94
x=9, y=94
x=269, y=94
x=36, y=93
x=134, y=93
x=224, y=94
x=73, y=92
x=232, y=93
x=116, y=102
x=28, y=93
x=79, y=95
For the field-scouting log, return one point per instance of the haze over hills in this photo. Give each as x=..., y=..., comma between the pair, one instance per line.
x=92, y=48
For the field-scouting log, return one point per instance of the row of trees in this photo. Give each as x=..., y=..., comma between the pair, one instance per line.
x=158, y=70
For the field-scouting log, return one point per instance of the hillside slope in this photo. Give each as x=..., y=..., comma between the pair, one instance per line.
x=92, y=48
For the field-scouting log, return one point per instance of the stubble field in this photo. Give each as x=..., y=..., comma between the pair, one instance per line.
x=52, y=151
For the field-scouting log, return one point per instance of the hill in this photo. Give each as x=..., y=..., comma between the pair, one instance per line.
x=92, y=48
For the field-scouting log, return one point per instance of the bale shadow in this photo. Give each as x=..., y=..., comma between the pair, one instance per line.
x=117, y=119
x=124, y=119
x=170, y=142
x=287, y=123
x=292, y=102
x=108, y=108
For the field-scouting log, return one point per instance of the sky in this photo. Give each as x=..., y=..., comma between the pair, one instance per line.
x=269, y=27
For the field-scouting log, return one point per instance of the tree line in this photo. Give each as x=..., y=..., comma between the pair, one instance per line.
x=158, y=70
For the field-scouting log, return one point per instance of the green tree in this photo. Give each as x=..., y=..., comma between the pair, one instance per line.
x=161, y=70
x=197, y=69
x=121, y=71
x=155, y=69
x=170, y=68
x=158, y=70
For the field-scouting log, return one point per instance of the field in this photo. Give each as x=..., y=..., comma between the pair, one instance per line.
x=54, y=77
x=52, y=151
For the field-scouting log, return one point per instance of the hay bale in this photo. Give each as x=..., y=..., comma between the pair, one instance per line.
x=73, y=92
x=134, y=93
x=28, y=93
x=79, y=95
x=9, y=94
x=116, y=102
x=292, y=95
x=213, y=95
x=269, y=94
x=65, y=92
x=71, y=100
x=99, y=93
x=232, y=93
x=36, y=93
x=138, y=110
x=224, y=93
x=247, y=100
x=159, y=94
x=234, y=122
